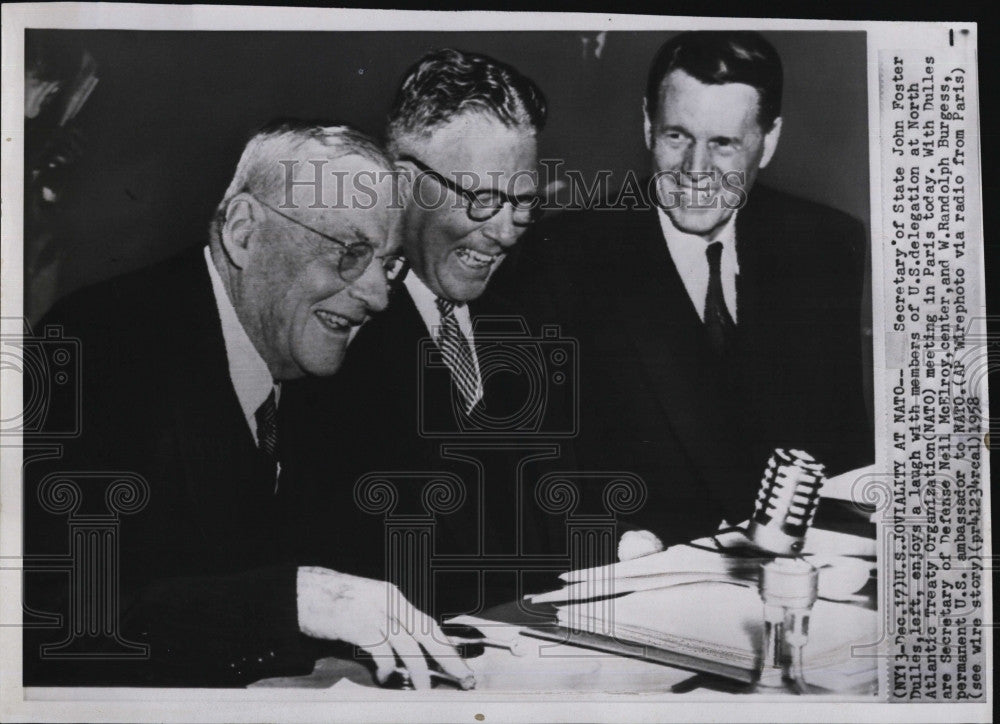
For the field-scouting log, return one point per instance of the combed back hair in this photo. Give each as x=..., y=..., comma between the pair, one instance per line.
x=260, y=173
x=716, y=57
x=447, y=83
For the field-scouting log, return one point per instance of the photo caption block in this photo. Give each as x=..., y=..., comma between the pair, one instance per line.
x=936, y=344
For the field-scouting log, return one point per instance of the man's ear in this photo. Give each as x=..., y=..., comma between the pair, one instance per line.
x=242, y=215
x=647, y=126
x=771, y=142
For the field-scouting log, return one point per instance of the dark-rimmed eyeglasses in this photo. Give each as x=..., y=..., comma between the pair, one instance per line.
x=354, y=258
x=484, y=205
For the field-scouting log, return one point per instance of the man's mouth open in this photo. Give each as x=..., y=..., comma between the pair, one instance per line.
x=477, y=260
x=335, y=322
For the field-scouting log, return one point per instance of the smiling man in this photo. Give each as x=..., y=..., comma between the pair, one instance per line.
x=456, y=235
x=299, y=298
x=464, y=128
x=463, y=132
x=723, y=318
x=183, y=366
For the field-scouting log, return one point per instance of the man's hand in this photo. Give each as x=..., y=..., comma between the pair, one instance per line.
x=638, y=543
x=375, y=616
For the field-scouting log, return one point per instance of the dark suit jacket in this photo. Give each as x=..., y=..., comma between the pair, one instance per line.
x=657, y=402
x=392, y=409
x=206, y=578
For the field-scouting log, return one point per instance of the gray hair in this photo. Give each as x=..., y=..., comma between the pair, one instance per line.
x=261, y=173
x=447, y=83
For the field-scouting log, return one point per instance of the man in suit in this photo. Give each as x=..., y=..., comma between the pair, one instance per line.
x=183, y=367
x=463, y=132
x=720, y=319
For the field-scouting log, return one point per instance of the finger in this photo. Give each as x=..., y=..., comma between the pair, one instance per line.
x=413, y=658
x=384, y=658
x=444, y=653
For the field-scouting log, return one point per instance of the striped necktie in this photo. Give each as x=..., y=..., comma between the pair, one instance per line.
x=457, y=355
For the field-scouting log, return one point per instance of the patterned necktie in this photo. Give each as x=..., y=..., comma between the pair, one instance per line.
x=718, y=322
x=267, y=433
x=458, y=356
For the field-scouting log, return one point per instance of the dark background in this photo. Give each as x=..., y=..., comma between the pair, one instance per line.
x=165, y=125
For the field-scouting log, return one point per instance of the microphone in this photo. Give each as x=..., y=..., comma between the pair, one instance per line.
x=787, y=501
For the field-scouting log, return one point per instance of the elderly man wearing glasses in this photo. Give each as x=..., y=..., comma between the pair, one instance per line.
x=463, y=130
x=183, y=366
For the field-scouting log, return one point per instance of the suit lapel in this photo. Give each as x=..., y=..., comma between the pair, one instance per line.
x=490, y=318
x=751, y=287
x=766, y=294
x=214, y=442
x=421, y=382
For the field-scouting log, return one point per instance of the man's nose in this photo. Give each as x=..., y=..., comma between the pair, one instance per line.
x=698, y=159
x=502, y=229
x=372, y=288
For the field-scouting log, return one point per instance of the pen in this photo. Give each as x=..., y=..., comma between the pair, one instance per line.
x=514, y=647
x=405, y=682
x=466, y=634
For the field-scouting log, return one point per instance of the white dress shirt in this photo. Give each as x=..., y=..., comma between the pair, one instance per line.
x=688, y=253
x=247, y=370
x=426, y=303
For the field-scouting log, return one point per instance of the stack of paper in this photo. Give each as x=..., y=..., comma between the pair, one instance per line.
x=721, y=623
x=697, y=606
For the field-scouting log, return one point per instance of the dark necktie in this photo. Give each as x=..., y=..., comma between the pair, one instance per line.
x=457, y=355
x=718, y=322
x=267, y=434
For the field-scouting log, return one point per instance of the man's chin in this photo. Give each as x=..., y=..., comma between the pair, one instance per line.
x=323, y=363
x=324, y=370
x=462, y=291
x=700, y=222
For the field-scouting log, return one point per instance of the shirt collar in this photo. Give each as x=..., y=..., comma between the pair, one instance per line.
x=249, y=373
x=426, y=303
x=677, y=239
x=688, y=254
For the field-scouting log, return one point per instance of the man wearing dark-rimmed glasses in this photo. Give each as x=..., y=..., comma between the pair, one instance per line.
x=463, y=131
x=480, y=205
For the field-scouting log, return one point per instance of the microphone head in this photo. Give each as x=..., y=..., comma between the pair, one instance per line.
x=787, y=501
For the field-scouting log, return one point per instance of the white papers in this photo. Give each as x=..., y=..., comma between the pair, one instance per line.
x=723, y=623
x=840, y=576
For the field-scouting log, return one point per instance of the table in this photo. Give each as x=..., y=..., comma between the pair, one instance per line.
x=547, y=666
